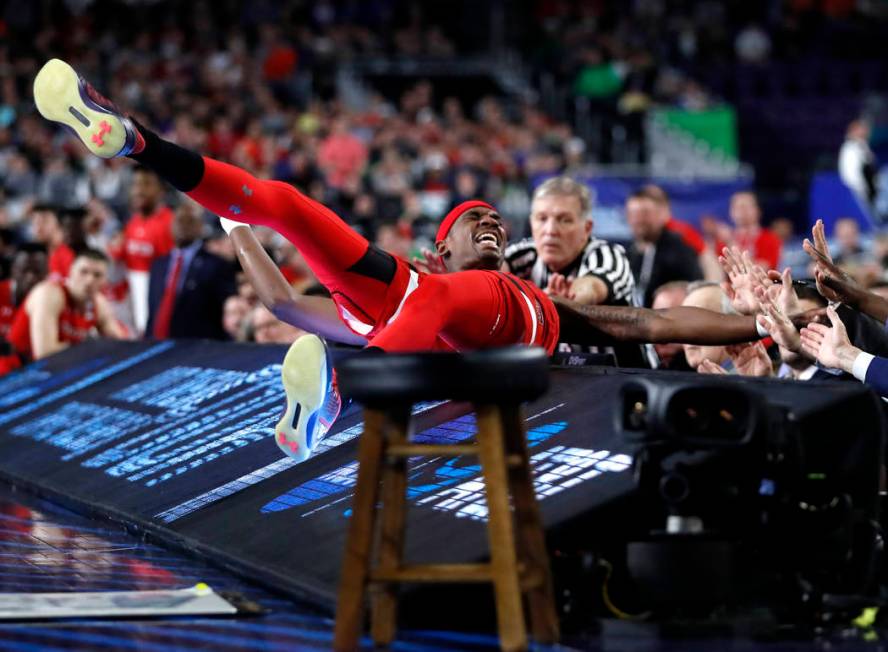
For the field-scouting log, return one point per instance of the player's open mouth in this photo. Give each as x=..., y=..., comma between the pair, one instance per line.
x=488, y=238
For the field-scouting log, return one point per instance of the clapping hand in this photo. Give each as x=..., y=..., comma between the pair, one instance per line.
x=744, y=276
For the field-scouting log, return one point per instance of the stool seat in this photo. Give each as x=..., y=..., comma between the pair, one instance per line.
x=514, y=374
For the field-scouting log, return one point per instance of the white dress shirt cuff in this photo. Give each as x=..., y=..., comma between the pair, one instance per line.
x=861, y=365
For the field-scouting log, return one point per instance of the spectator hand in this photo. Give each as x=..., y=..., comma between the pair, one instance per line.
x=751, y=359
x=709, y=367
x=830, y=346
x=779, y=326
x=430, y=263
x=559, y=286
x=743, y=278
x=230, y=225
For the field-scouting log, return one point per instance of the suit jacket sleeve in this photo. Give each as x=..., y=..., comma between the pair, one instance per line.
x=877, y=375
x=155, y=290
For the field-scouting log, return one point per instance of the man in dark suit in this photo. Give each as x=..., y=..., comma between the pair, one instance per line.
x=188, y=287
x=657, y=255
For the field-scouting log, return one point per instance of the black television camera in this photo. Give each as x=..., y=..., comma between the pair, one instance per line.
x=756, y=493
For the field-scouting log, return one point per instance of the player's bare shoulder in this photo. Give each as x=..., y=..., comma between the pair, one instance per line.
x=46, y=295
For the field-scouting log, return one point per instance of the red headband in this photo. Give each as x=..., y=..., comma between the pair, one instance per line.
x=454, y=214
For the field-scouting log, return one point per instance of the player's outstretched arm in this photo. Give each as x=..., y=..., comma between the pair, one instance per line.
x=313, y=314
x=598, y=325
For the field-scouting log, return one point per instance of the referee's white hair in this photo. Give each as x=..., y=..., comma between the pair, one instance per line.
x=566, y=187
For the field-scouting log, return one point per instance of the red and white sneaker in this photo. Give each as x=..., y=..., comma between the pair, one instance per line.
x=63, y=96
x=313, y=400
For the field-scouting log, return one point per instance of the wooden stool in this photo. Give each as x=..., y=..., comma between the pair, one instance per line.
x=496, y=382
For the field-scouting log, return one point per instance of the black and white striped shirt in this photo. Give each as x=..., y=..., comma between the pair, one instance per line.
x=602, y=260
x=599, y=258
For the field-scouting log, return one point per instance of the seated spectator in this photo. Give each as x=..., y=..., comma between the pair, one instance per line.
x=188, y=287
x=60, y=313
x=749, y=235
x=851, y=252
x=709, y=296
x=29, y=267
x=705, y=251
x=657, y=255
x=234, y=317
x=265, y=328
x=671, y=295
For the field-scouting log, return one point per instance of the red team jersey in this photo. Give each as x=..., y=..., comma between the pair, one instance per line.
x=525, y=314
x=75, y=325
x=145, y=238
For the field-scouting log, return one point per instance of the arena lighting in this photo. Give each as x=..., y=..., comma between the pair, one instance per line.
x=750, y=500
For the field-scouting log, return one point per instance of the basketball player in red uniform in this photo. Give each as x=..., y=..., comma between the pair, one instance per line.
x=147, y=236
x=29, y=267
x=60, y=313
x=378, y=296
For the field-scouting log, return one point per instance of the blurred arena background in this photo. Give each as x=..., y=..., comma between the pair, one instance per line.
x=390, y=112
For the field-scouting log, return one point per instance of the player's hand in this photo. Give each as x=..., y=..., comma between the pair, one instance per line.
x=559, y=286
x=230, y=225
x=781, y=294
x=751, y=359
x=834, y=284
x=430, y=263
x=830, y=346
x=744, y=276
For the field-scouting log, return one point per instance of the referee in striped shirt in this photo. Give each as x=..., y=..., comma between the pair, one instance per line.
x=565, y=259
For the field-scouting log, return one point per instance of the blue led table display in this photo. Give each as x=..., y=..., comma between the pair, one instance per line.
x=178, y=438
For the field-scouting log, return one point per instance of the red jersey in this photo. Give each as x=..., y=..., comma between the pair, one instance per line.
x=7, y=307
x=60, y=261
x=765, y=247
x=688, y=233
x=146, y=238
x=525, y=315
x=76, y=323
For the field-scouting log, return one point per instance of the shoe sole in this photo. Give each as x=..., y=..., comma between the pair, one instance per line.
x=304, y=377
x=60, y=96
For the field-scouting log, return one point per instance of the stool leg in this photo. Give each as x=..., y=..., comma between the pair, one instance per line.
x=359, y=545
x=391, y=544
x=510, y=617
x=529, y=525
